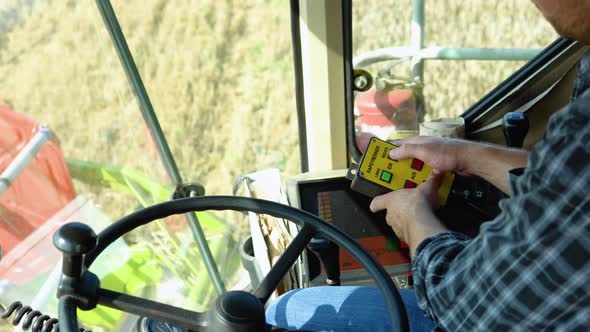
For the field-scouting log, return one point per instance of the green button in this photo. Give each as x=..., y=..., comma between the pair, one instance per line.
x=386, y=176
x=392, y=243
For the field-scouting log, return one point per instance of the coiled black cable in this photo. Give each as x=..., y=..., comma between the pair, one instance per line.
x=33, y=319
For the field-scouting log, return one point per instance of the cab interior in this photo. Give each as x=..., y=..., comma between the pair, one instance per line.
x=328, y=80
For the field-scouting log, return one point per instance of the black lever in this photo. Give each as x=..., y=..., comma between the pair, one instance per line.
x=74, y=240
x=515, y=126
x=328, y=253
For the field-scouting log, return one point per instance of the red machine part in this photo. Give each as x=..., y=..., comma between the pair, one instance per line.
x=380, y=113
x=40, y=191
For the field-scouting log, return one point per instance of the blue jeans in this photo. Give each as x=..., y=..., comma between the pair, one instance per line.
x=342, y=308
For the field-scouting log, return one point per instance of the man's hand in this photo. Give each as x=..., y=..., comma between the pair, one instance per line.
x=410, y=212
x=443, y=154
x=490, y=162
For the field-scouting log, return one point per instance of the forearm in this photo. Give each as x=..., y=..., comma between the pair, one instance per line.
x=492, y=163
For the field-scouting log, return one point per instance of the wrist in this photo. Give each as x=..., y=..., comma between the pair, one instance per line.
x=472, y=158
x=415, y=240
x=426, y=225
x=492, y=162
x=482, y=158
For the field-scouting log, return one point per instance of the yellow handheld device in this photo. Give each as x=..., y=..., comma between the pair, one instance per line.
x=378, y=174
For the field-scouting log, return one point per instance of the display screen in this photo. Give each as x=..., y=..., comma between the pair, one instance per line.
x=336, y=203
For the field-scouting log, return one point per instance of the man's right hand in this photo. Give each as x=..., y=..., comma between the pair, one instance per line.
x=467, y=158
x=442, y=154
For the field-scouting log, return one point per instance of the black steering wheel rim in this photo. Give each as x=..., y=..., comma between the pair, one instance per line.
x=205, y=203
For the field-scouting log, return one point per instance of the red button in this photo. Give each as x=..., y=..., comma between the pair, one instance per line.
x=417, y=164
x=410, y=184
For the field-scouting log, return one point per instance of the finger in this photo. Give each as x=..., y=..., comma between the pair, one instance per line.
x=378, y=203
x=409, y=150
x=434, y=181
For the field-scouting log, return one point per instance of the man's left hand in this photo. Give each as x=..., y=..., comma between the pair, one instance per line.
x=410, y=212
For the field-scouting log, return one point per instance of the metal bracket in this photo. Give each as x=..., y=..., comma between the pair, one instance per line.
x=190, y=189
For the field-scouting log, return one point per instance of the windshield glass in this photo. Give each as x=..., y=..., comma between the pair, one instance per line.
x=466, y=48
x=225, y=102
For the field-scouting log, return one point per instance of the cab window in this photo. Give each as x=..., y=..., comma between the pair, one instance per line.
x=466, y=48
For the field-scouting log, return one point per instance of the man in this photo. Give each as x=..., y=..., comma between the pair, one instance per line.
x=528, y=269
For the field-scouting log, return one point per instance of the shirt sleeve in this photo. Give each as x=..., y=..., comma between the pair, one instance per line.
x=441, y=250
x=528, y=268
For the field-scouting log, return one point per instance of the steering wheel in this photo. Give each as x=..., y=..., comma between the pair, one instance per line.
x=233, y=310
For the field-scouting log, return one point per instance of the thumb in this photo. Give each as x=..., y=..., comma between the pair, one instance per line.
x=378, y=203
x=433, y=183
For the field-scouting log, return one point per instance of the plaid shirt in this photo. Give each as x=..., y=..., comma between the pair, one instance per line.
x=529, y=268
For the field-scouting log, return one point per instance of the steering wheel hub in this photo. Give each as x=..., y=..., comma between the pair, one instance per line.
x=237, y=311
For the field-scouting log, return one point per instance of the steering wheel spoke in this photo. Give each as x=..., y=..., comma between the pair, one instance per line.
x=156, y=310
x=282, y=266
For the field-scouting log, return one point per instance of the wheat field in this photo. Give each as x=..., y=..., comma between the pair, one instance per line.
x=220, y=77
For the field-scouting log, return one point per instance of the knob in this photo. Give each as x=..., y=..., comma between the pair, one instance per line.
x=74, y=240
x=237, y=311
x=328, y=253
x=515, y=126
